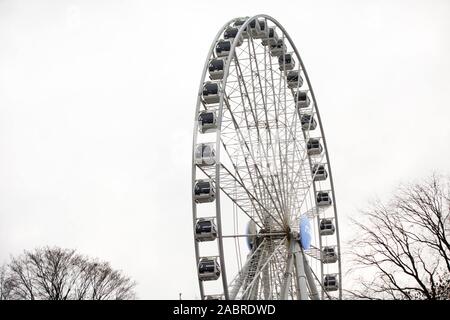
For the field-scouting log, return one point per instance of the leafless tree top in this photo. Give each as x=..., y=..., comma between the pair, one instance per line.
x=62, y=274
x=402, y=250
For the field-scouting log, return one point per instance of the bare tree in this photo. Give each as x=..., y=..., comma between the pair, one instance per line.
x=62, y=274
x=402, y=249
x=4, y=292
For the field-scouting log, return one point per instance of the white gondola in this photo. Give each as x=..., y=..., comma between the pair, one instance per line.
x=286, y=62
x=319, y=172
x=272, y=37
x=329, y=255
x=238, y=23
x=230, y=34
x=294, y=80
x=323, y=199
x=204, y=191
x=255, y=29
x=263, y=29
x=208, y=269
x=314, y=147
x=301, y=99
x=205, y=230
x=223, y=48
x=207, y=121
x=326, y=227
x=210, y=93
x=308, y=122
x=205, y=155
x=216, y=67
x=330, y=282
x=278, y=49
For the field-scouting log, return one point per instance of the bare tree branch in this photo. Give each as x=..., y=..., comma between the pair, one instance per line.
x=61, y=274
x=403, y=245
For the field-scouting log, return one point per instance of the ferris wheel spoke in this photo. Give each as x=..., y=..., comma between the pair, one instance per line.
x=290, y=139
x=313, y=211
x=302, y=175
x=278, y=105
x=270, y=142
x=296, y=183
x=298, y=192
x=306, y=170
x=284, y=113
x=313, y=252
x=283, y=167
x=247, y=151
x=236, y=191
x=294, y=194
x=249, y=145
x=248, y=180
x=259, y=112
x=299, y=173
x=301, y=179
x=258, y=138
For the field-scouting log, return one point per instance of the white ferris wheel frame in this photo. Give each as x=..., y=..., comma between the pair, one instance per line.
x=297, y=262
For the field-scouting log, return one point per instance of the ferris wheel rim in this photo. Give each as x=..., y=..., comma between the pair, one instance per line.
x=230, y=57
x=194, y=207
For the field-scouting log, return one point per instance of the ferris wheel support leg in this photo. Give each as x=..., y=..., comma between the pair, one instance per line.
x=284, y=293
x=238, y=283
x=253, y=295
x=310, y=278
x=265, y=282
x=302, y=287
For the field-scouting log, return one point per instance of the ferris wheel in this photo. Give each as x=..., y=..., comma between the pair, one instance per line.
x=264, y=209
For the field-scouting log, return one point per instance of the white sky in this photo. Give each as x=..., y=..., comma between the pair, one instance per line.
x=97, y=100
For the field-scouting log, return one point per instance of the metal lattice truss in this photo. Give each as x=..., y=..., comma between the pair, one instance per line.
x=262, y=135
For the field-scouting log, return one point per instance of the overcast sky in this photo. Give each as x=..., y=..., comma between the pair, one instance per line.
x=97, y=100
